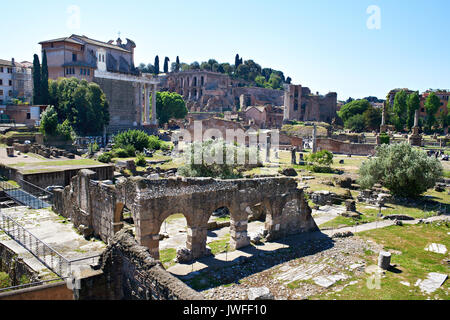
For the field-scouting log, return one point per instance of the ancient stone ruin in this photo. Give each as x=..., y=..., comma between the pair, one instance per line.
x=96, y=208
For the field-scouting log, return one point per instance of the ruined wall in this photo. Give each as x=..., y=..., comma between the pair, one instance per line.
x=152, y=201
x=260, y=96
x=128, y=272
x=336, y=146
x=91, y=205
x=53, y=291
x=16, y=268
x=123, y=100
x=63, y=177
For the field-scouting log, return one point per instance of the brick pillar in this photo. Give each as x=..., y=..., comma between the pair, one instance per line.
x=147, y=236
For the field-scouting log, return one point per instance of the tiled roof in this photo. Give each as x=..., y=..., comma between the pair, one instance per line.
x=5, y=63
x=98, y=43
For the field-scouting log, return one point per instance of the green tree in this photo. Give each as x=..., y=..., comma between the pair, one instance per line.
x=49, y=122
x=404, y=170
x=37, y=97
x=166, y=65
x=45, y=99
x=400, y=108
x=353, y=108
x=275, y=81
x=372, y=118
x=156, y=66
x=170, y=105
x=413, y=104
x=356, y=123
x=177, y=64
x=432, y=104
x=260, y=81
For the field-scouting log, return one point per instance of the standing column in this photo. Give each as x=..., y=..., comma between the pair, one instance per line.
x=154, y=117
x=314, y=146
x=147, y=105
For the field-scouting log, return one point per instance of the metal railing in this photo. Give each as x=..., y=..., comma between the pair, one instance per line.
x=29, y=194
x=29, y=285
x=38, y=248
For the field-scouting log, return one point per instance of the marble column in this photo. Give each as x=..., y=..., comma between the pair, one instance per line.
x=154, y=119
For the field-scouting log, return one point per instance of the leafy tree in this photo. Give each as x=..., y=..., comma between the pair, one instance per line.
x=44, y=80
x=170, y=105
x=243, y=71
x=194, y=66
x=37, y=97
x=260, y=81
x=274, y=81
x=372, y=118
x=83, y=104
x=400, y=108
x=404, y=170
x=288, y=80
x=356, y=123
x=353, y=108
x=156, y=66
x=432, y=105
x=413, y=104
x=49, y=122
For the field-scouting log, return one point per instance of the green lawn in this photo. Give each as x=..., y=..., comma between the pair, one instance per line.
x=411, y=261
x=220, y=246
x=56, y=163
x=167, y=257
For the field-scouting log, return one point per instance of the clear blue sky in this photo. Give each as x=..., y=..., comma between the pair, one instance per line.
x=325, y=45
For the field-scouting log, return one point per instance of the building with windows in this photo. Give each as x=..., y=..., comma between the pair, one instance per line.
x=16, y=81
x=80, y=56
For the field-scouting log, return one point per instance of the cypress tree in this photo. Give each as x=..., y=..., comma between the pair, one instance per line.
x=156, y=65
x=36, y=80
x=44, y=80
x=237, y=61
x=166, y=65
x=177, y=64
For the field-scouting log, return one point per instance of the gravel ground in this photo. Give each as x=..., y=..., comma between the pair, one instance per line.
x=305, y=260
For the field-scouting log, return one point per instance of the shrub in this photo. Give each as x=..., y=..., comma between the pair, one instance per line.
x=65, y=131
x=120, y=153
x=140, y=160
x=384, y=138
x=105, y=157
x=402, y=169
x=154, y=143
x=136, y=138
x=49, y=121
x=130, y=151
x=166, y=146
x=320, y=161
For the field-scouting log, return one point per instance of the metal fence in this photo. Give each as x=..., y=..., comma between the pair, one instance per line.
x=28, y=195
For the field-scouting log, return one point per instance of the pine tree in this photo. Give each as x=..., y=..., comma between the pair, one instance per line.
x=156, y=65
x=36, y=80
x=44, y=80
x=166, y=65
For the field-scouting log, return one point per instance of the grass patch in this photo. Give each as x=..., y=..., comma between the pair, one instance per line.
x=412, y=264
x=78, y=162
x=167, y=257
x=220, y=246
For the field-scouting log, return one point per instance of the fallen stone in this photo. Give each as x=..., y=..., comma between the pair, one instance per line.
x=262, y=293
x=405, y=283
x=328, y=281
x=437, y=248
x=432, y=282
x=289, y=172
x=403, y=217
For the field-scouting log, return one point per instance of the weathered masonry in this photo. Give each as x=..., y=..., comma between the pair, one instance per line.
x=97, y=207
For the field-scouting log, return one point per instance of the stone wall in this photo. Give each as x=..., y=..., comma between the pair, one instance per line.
x=63, y=177
x=53, y=291
x=15, y=267
x=91, y=205
x=152, y=201
x=123, y=99
x=341, y=147
x=128, y=272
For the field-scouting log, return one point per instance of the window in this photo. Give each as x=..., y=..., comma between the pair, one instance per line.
x=1, y=82
x=10, y=82
x=10, y=93
x=1, y=69
x=9, y=70
x=74, y=57
x=81, y=72
x=1, y=92
x=89, y=72
x=28, y=115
